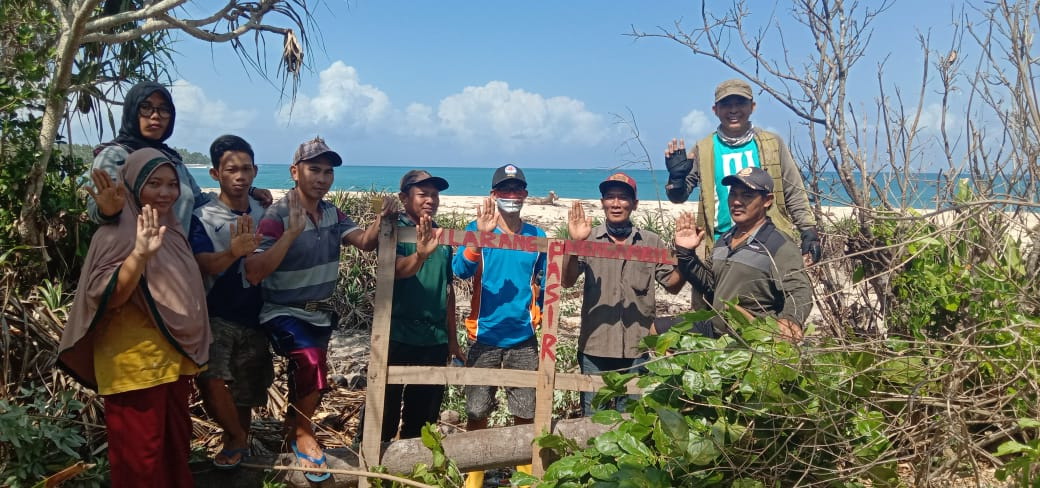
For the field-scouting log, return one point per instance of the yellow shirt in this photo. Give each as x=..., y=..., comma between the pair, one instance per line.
x=130, y=353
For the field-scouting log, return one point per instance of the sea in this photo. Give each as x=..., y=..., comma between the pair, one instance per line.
x=580, y=183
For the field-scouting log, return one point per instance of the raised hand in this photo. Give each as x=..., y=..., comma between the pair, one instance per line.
x=262, y=196
x=109, y=195
x=487, y=215
x=425, y=237
x=389, y=207
x=297, y=214
x=677, y=163
x=149, y=233
x=687, y=233
x=578, y=225
x=243, y=240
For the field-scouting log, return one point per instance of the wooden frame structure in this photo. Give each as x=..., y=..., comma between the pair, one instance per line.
x=545, y=380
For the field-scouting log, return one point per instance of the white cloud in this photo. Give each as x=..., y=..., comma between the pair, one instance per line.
x=695, y=125
x=496, y=114
x=478, y=117
x=342, y=100
x=931, y=119
x=200, y=118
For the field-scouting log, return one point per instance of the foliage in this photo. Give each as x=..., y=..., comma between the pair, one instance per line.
x=39, y=435
x=1023, y=468
x=26, y=37
x=442, y=472
x=86, y=153
x=739, y=410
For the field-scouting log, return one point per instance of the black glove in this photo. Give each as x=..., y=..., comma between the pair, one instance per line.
x=678, y=167
x=811, y=244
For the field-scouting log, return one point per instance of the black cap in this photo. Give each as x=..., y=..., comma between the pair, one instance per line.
x=753, y=178
x=314, y=148
x=506, y=173
x=417, y=176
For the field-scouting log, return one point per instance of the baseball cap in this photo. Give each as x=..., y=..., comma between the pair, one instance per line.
x=753, y=178
x=506, y=173
x=314, y=148
x=733, y=87
x=618, y=179
x=416, y=176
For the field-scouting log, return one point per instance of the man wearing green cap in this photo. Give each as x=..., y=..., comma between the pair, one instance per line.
x=736, y=145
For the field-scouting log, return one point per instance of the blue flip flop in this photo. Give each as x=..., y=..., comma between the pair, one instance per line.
x=319, y=462
x=229, y=453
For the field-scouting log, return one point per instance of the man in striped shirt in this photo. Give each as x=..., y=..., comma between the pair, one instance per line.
x=298, y=264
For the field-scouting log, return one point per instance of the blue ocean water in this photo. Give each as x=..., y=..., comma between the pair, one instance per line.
x=566, y=182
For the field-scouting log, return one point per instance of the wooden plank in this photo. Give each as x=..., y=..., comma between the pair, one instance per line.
x=427, y=375
x=376, y=388
x=543, y=406
x=599, y=249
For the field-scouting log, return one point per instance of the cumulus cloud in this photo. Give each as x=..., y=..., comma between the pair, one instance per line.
x=931, y=119
x=496, y=113
x=342, y=101
x=477, y=117
x=200, y=118
x=695, y=125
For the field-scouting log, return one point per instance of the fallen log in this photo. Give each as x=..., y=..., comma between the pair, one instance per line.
x=478, y=450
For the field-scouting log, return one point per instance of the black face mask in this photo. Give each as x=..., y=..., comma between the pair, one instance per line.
x=619, y=231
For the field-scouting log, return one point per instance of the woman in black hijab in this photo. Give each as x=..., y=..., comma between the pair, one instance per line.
x=148, y=120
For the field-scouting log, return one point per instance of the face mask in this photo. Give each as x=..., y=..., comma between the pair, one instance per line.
x=510, y=205
x=620, y=231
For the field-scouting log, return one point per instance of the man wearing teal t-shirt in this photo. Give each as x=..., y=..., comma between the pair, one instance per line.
x=736, y=145
x=422, y=318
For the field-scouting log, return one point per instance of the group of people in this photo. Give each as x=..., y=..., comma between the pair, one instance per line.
x=180, y=285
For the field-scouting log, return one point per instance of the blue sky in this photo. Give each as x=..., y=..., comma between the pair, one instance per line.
x=483, y=83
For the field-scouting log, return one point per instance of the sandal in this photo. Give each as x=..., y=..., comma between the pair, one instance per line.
x=230, y=453
x=318, y=462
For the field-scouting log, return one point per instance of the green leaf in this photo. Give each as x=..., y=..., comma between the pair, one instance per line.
x=701, y=451
x=606, y=417
x=632, y=445
x=1011, y=447
x=858, y=274
x=602, y=471
x=673, y=423
x=1029, y=423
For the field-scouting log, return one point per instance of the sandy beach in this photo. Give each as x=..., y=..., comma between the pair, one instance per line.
x=550, y=216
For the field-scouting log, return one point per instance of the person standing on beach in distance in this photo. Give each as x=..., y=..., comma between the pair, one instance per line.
x=138, y=330
x=736, y=145
x=753, y=262
x=618, y=301
x=298, y=263
x=223, y=232
x=506, y=303
x=422, y=318
x=148, y=117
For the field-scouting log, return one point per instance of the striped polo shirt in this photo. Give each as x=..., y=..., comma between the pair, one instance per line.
x=311, y=266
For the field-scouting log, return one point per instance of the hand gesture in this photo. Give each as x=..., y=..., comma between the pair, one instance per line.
x=487, y=215
x=263, y=196
x=677, y=148
x=109, y=195
x=389, y=207
x=687, y=233
x=149, y=233
x=426, y=237
x=578, y=225
x=677, y=163
x=243, y=240
x=297, y=214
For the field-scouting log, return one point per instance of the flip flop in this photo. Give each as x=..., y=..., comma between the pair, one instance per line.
x=319, y=462
x=230, y=453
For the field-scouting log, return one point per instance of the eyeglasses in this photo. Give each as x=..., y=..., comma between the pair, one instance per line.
x=147, y=109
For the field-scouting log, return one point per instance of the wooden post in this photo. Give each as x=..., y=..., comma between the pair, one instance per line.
x=377, y=360
x=547, y=351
